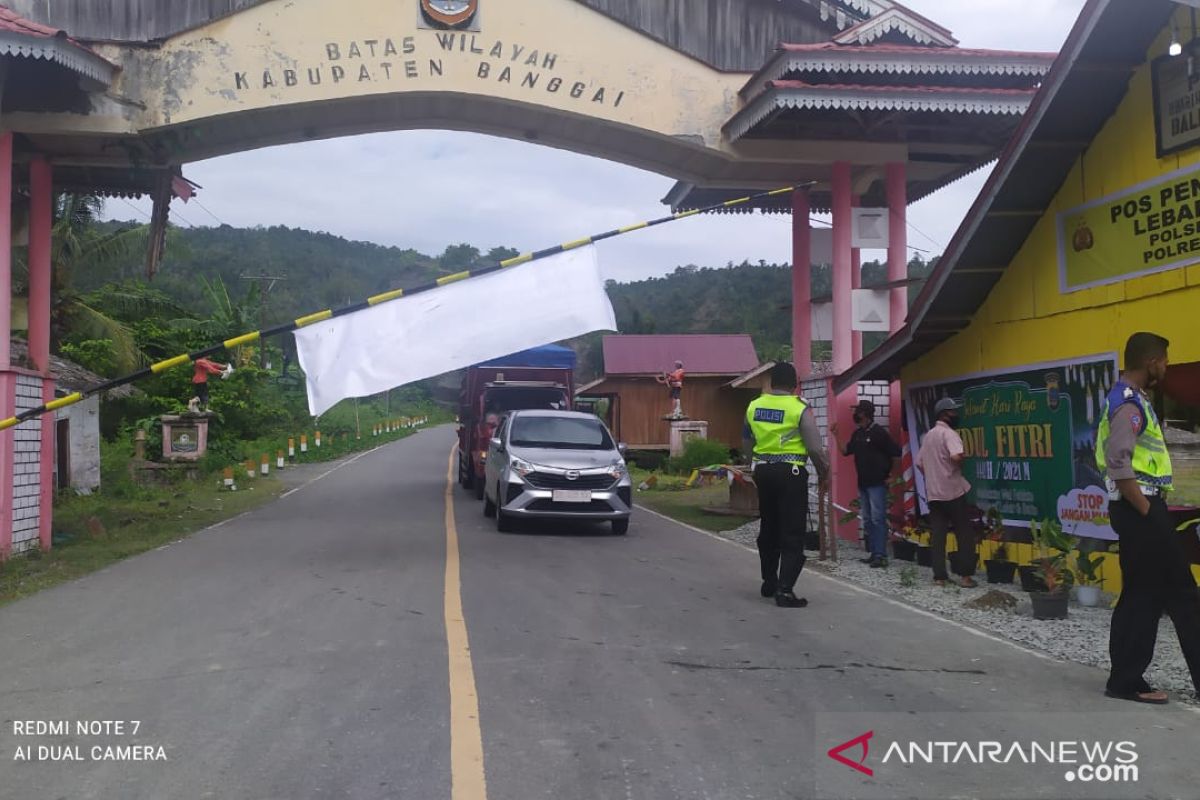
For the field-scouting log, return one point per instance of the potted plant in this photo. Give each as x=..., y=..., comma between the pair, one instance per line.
x=1088, y=565
x=999, y=568
x=1052, y=603
x=1051, y=543
x=1030, y=581
x=925, y=555
x=904, y=544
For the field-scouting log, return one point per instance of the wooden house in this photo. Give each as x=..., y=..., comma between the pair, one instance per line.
x=723, y=376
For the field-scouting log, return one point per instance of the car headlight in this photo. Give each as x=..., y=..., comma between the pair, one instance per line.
x=618, y=470
x=520, y=467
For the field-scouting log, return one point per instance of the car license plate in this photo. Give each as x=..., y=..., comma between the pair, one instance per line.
x=572, y=496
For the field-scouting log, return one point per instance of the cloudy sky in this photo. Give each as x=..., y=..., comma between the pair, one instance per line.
x=428, y=189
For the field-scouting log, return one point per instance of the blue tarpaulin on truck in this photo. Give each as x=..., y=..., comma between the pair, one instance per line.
x=551, y=356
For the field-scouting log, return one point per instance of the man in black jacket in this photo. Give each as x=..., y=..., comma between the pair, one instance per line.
x=875, y=457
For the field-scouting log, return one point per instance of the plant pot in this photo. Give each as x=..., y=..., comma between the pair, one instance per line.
x=1050, y=605
x=1088, y=596
x=925, y=555
x=903, y=550
x=1030, y=580
x=1000, y=571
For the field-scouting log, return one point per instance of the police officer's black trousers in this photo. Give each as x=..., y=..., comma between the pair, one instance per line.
x=783, y=507
x=1156, y=577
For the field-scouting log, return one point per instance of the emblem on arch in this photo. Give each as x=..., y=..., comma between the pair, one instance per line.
x=450, y=13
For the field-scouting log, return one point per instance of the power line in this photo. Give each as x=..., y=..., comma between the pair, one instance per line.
x=135, y=208
x=815, y=220
x=211, y=214
x=182, y=217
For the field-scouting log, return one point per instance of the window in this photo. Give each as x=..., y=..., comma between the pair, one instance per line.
x=575, y=433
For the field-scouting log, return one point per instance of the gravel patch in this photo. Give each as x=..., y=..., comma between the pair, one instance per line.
x=1081, y=638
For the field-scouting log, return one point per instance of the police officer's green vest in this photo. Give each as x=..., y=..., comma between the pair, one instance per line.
x=774, y=422
x=1151, y=461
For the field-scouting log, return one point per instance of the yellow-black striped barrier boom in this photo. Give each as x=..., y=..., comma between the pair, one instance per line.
x=320, y=316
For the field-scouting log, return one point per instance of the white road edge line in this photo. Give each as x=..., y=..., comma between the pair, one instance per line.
x=291, y=492
x=891, y=601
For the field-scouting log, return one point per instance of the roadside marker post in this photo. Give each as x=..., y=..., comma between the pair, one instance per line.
x=228, y=478
x=249, y=468
x=317, y=439
x=265, y=465
x=304, y=443
x=291, y=448
x=279, y=459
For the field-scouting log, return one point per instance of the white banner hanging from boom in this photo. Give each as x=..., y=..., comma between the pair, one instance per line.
x=436, y=332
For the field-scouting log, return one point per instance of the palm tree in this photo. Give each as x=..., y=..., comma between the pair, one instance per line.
x=228, y=316
x=77, y=240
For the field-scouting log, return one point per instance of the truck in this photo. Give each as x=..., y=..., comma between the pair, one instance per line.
x=543, y=377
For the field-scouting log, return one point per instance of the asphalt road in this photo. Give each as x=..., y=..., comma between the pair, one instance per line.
x=301, y=651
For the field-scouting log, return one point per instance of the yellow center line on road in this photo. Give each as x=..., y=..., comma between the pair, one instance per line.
x=467, y=780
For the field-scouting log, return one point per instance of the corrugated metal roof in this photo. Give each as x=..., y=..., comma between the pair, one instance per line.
x=913, y=49
x=701, y=354
x=985, y=91
x=25, y=38
x=1084, y=88
x=11, y=22
x=67, y=374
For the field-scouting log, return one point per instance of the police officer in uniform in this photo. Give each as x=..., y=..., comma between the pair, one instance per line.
x=782, y=434
x=1155, y=569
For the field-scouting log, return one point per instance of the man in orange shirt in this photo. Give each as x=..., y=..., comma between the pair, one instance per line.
x=674, y=381
x=203, y=368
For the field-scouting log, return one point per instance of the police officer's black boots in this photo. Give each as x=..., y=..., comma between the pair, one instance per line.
x=788, y=599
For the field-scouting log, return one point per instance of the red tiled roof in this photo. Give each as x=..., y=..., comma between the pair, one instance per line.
x=912, y=49
x=843, y=87
x=12, y=22
x=701, y=354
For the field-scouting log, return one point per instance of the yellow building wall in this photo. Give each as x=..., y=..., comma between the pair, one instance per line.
x=1027, y=319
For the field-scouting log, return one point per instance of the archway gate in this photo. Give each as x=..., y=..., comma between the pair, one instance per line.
x=869, y=102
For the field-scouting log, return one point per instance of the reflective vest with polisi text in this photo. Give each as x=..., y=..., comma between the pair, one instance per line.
x=774, y=422
x=1151, y=461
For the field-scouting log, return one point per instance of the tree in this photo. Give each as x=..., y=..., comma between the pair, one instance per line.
x=460, y=256
x=76, y=241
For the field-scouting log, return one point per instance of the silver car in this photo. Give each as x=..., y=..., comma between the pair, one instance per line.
x=556, y=465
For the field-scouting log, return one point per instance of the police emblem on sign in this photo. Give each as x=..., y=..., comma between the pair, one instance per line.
x=449, y=13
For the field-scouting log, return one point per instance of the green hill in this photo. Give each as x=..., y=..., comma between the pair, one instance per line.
x=323, y=270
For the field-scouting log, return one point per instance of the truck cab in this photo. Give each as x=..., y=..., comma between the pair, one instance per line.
x=542, y=378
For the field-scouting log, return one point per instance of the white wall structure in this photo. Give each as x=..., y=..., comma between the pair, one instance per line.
x=26, y=467
x=83, y=420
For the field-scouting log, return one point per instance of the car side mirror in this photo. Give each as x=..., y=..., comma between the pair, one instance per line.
x=499, y=445
x=623, y=449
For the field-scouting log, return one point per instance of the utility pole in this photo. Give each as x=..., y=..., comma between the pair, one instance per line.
x=265, y=284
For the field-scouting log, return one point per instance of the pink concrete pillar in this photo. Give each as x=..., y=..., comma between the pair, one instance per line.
x=6, y=151
x=801, y=283
x=41, y=202
x=845, y=486
x=842, y=256
x=40, y=221
x=897, y=202
x=856, y=337
x=8, y=406
x=7, y=379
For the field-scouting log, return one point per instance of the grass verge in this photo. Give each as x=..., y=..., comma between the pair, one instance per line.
x=672, y=498
x=131, y=521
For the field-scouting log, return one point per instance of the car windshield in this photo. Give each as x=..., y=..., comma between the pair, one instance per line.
x=573, y=433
